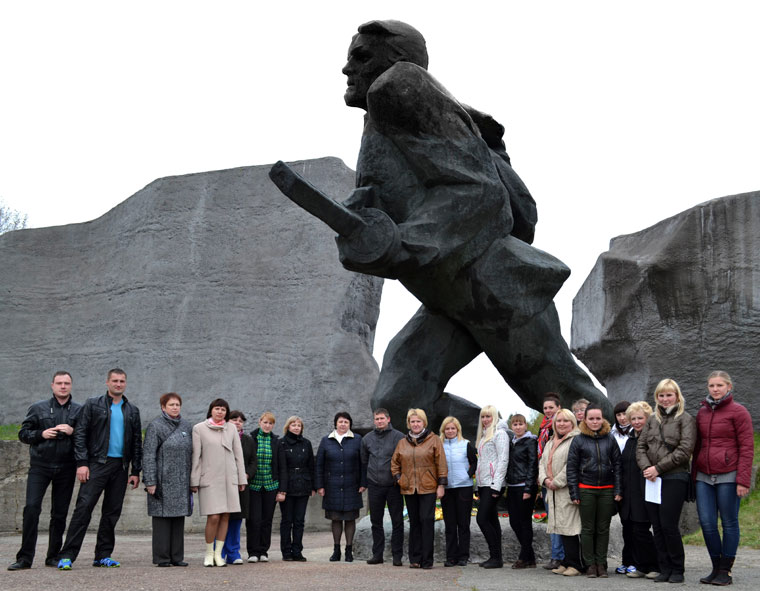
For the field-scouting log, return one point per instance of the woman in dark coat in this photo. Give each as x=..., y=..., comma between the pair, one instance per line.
x=633, y=507
x=231, y=548
x=594, y=480
x=167, y=460
x=299, y=460
x=340, y=481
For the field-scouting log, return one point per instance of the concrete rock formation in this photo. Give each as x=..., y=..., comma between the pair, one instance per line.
x=677, y=300
x=209, y=284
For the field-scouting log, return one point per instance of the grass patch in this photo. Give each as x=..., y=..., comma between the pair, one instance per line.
x=9, y=432
x=749, y=515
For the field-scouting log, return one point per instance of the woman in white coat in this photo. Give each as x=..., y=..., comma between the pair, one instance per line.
x=563, y=517
x=218, y=474
x=490, y=475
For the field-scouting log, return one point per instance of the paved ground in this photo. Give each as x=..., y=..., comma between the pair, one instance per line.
x=136, y=572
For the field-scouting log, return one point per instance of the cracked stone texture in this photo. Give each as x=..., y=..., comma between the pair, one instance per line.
x=209, y=284
x=677, y=300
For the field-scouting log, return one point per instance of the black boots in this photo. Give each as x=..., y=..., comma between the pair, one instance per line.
x=723, y=577
x=716, y=565
x=336, y=553
x=349, y=554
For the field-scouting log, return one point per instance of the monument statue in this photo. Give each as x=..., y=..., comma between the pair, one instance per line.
x=439, y=207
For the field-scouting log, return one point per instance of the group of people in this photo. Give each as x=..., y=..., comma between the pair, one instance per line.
x=643, y=467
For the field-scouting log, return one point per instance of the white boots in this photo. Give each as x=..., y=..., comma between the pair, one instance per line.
x=218, y=560
x=208, y=560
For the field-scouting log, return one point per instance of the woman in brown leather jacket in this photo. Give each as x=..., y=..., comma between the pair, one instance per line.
x=420, y=469
x=663, y=453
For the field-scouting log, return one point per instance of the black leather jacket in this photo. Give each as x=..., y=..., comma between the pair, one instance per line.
x=299, y=459
x=41, y=416
x=523, y=463
x=594, y=459
x=93, y=431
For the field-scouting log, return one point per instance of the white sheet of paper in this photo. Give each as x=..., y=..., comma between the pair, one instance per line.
x=652, y=490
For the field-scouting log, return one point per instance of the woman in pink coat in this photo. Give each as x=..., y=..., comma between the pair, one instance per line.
x=218, y=473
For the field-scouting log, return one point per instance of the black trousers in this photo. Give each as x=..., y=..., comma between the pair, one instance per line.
x=111, y=480
x=457, y=510
x=488, y=521
x=168, y=539
x=258, y=526
x=63, y=478
x=628, y=557
x=665, y=518
x=573, y=556
x=292, y=521
x=378, y=497
x=421, y=510
x=521, y=520
x=644, y=554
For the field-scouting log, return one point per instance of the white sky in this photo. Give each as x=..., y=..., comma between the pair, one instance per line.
x=618, y=114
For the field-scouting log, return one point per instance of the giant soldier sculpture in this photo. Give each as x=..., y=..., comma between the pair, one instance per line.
x=439, y=208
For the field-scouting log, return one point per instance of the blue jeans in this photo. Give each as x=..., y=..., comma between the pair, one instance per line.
x=711, y=501
x=558, y=549
x=231, y=548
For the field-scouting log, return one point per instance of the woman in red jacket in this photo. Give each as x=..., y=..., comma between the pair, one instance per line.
x=723, y=465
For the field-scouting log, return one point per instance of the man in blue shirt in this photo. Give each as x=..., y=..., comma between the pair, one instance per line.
x=107, y=439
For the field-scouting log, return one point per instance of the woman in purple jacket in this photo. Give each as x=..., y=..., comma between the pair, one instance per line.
x=723, y=466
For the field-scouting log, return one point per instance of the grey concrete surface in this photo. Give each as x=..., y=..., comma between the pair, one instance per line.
x=138, y=574
x=210, y=284
x=677, y=300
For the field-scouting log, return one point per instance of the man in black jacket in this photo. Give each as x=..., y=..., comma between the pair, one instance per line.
x=377, y=448
x=107, y=438
x=47, y=429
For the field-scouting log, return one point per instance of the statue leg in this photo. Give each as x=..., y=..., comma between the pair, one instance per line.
x=534, y=359
x=418, y=364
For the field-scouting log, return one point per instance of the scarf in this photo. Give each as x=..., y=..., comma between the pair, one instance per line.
x=714, y=403
x=543, y=435
x=210, y=422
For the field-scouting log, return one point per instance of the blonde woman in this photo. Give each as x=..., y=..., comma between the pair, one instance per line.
x=456, y=502
x=419, y=467
x=490, y=475
x=632, y=508
x=299, y=461
x=563, y=516
x=663, y=451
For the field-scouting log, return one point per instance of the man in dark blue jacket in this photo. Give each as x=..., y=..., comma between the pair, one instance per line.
x=107, y=439
x=48, y=429
x=377, y=448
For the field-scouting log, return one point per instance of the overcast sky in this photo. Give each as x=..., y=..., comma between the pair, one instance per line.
x=618, y=114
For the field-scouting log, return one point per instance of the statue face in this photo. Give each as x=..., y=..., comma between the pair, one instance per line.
x=368, y=57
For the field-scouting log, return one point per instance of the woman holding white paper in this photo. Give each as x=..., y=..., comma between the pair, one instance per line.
x=663, y=451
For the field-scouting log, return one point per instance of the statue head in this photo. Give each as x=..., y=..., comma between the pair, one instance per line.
x=375, y=48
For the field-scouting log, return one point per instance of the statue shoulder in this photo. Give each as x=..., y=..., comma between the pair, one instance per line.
x=408, y=97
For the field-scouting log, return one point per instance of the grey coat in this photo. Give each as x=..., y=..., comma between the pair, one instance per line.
x=169, y=469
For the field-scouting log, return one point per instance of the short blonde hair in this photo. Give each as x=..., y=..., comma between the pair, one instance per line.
x=640, y=406
x=490, y=411
x=290, y=421
x=420, y=413
x=451, y=421
x=565, y=413
x=268, y=416
x=577, y=404
x=669, y=385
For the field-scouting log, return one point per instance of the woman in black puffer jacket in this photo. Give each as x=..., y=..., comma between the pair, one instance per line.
x=299, y=459
x=594, y=479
